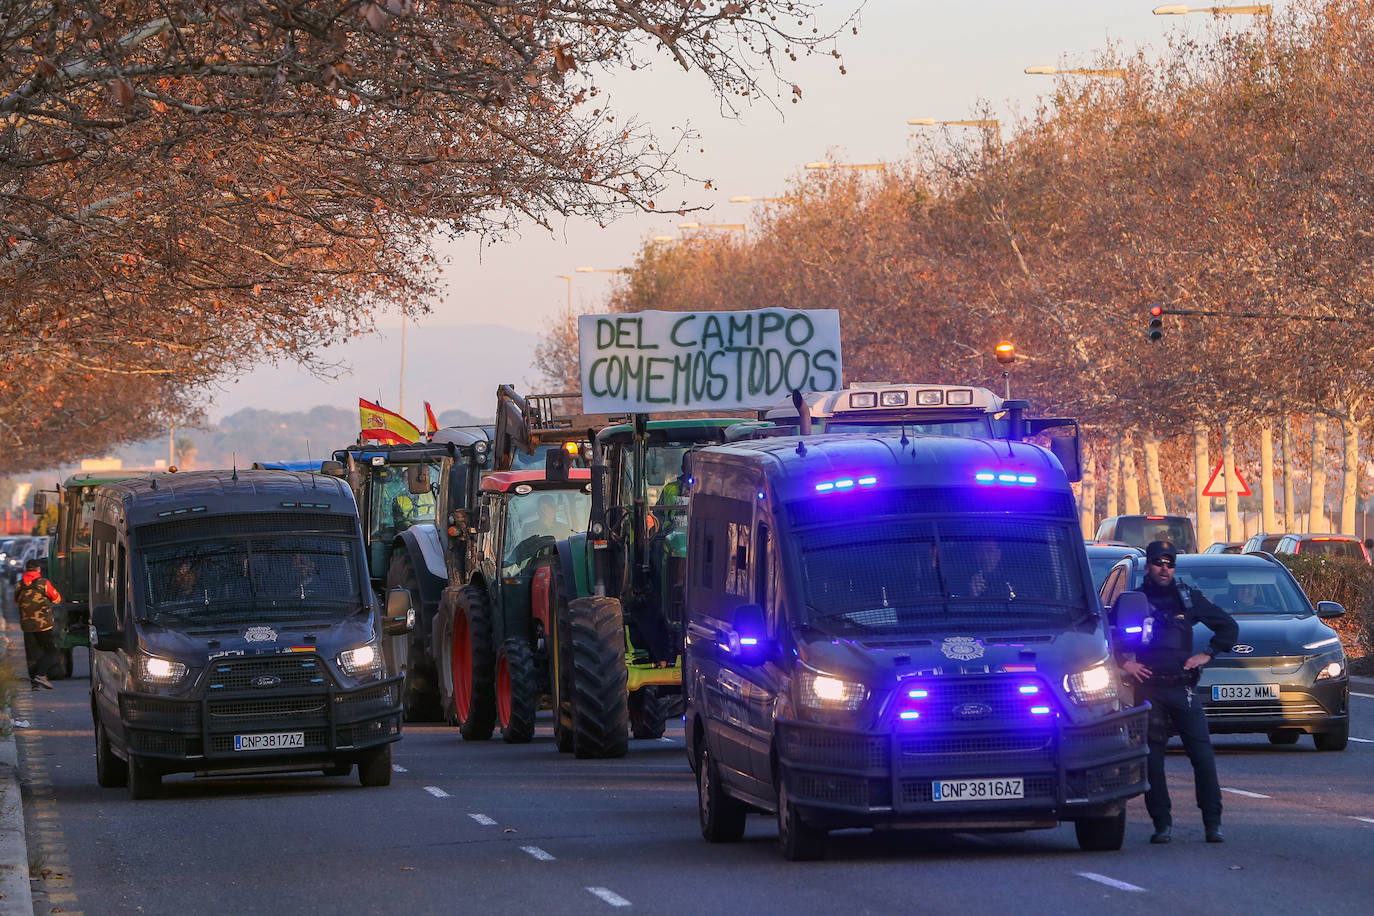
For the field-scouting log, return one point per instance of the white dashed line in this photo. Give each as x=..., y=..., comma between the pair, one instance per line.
x=1110, y=882
x=436, y=791
x=1364, y=740
x=1367, y=820
x=665, y=740
x=1367, y=696
x=609, y=896
x=1245, y=793
x=538, y=853
x=396, y=768
x=483, y=820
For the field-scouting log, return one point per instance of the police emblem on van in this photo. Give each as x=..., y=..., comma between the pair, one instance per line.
x=260, y=634
x=963, y=648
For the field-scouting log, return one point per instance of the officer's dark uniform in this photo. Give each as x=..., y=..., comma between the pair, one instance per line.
x=1173, y=706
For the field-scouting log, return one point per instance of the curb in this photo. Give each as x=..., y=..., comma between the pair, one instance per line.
x=16, y=895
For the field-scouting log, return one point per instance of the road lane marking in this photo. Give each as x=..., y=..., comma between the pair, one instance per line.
x=1245, y=793
x=609, y=896
x=665, y=740
x=1367, y=820
x=1367, y=696
x=483, y=820
x=1363, y=740
x=537, y=853
x=436, y=791
x=1110, y=882
x=396, y=768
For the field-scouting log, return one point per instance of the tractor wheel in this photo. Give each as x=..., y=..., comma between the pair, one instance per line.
x=473, y=664
x=559, y=651
x=647, y=713
x=601, y=716
x=443, y=658
x=517, y=693
x=420, y=697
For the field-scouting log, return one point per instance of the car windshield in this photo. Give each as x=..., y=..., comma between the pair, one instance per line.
x=1140, y=531
x=1246, y=589
x=267, y=578
x=920, y=575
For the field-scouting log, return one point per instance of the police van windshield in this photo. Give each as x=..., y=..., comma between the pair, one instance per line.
x=919, y=575
x=248, y=580
x=983, y=427
x=1246, y=590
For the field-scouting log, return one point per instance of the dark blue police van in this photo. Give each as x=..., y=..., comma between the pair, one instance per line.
x=899, y=632
x=234, y=630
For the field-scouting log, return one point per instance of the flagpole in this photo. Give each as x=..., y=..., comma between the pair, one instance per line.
x=401, y=408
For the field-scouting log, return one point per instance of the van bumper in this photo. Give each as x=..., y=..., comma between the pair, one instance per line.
x=197, y=735
x=844, y=778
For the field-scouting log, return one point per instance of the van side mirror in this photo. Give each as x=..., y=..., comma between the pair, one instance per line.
x=400, y=614
x=1067, y=450
x=748, y=640
x=1329, y=609
x=1131, y=624
x=557, y=461
x=104, y=628
x=332, y=468
x=417, y=479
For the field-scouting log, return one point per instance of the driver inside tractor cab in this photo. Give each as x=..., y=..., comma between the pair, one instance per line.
x=412, y=500
x=553, y=520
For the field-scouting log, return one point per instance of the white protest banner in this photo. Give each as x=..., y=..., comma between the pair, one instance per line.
x=652, y=362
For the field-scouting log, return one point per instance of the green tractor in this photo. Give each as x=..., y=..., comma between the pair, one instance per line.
x=615, y=594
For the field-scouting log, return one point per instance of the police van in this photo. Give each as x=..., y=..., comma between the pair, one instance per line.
x=234, y=631
x=899, y=632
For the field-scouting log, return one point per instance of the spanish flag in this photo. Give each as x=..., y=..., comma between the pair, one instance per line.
x=381, y=425
x=431, y=424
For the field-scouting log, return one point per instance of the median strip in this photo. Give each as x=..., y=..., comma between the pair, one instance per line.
x=1367, y=820
x=1110, y=882
x=1245, y=793
x=609, y=896
x=436, y=791
x=537, y=853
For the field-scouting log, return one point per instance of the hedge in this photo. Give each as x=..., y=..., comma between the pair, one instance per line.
x=1347, y=582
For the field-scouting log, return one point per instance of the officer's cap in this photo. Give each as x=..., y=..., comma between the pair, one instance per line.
x=1157, y=549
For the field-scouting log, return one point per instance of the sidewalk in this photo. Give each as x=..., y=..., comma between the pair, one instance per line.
x=16, y=896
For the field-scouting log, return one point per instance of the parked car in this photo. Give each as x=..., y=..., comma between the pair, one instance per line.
x=1333, y=545
x=19, y=551
x=1287, y=674
x=1224, y=547
x=1140, y=530
x=1262, y=541
x=1102, y=556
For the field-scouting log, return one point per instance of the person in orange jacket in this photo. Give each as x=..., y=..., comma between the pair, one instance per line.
x=35, y=597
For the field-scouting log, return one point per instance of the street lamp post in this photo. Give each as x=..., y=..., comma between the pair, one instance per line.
x=1179, y=9
x=569, y=278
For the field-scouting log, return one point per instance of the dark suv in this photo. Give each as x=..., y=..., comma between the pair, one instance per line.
x=1262, y=541
x=1331, y=545
x=1140, y=530
x=1287, y=674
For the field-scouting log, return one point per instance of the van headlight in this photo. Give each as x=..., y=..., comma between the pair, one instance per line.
x=363, y=660
x=1093, y=685
x=827, y=692
x=163, y=672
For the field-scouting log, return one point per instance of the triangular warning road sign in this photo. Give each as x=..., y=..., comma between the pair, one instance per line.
x=1216, y=487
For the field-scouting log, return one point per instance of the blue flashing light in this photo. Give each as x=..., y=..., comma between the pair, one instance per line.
x=691, y=481
x=1011, y=477
x=867, y=481
x=1134, y=629
x=918, y=694
x=1028, y=479
x=985, y=477
x=844, y=484
x=908, y=714
x=1040, y=710
x=1028, y=690
x=825, y=487
x=1006, y=478
x=762, y=494
x=748, y=641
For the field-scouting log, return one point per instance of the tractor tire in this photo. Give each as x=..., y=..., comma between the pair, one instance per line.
x=473, y=664
x=443, y=658
x=557, y=642
x=601, y=715
x=648, y=713
x=517, y=691
x=420, y=695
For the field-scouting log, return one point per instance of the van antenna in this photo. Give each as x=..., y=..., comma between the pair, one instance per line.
x=235, y=459
x=801, y=449
x=905, y=440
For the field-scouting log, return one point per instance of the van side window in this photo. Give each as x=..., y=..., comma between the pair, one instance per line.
x=737, y=581
x=762, y=566
x=121, y=594
x=708, y=559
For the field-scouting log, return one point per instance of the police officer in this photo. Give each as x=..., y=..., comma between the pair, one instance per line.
x=1167, y=670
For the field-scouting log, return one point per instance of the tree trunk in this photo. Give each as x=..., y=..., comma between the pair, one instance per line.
x=1316, y=500
x=1289, y=467
x=1113, y=475
x=1150, y=447
x=1267, y=477
x=1202, y=469
x=1350, y=492
x=1234, y=532
x=1129, y=479
x=1087, y=505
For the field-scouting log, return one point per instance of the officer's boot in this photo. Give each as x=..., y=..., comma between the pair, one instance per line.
x=1163, y=833
x=1214, y=832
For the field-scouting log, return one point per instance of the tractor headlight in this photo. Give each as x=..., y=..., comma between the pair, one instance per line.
x=363, y=660
x=1093, y=685
x=161, y=672
x=827, y=692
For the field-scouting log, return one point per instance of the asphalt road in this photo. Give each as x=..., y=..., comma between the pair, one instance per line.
x=495, y=828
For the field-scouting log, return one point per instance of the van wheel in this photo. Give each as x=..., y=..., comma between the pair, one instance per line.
x=110, y=771
x=473, y=664
x=601, y=715
x=1284, y=736
x=517, y=697
x=647, y=713
x=560, y=664
x=1101, y=834
x=722, y=817
x=1334, y=740
x=797, y=840
x=375, y=769
x=144, y=781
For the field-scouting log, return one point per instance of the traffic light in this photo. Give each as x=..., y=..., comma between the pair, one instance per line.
x=1156, y=322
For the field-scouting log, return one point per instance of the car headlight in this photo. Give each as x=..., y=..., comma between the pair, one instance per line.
x=359, y=661
x=825, y=691
x=164, y=672
x=1330, y=670
x=1094, y=685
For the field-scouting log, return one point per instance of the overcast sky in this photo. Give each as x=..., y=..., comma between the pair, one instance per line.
x=910, y=59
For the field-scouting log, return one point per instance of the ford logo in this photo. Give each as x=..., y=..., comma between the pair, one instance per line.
x=1242, y=649
x=972, y=711
x=266, y=680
